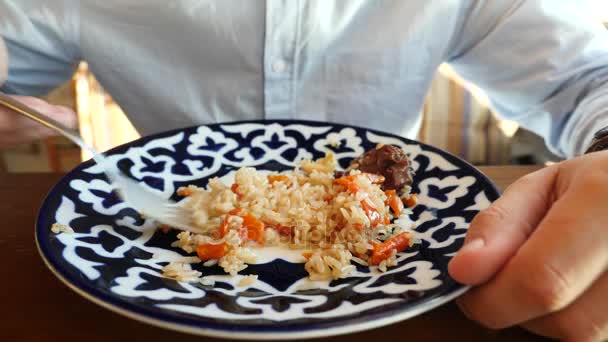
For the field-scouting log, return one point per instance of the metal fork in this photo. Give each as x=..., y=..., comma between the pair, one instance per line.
x=146, y=202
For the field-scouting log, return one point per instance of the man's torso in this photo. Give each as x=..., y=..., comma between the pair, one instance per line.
x=171, y=64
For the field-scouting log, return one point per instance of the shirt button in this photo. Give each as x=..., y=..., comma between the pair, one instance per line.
x=279, y=66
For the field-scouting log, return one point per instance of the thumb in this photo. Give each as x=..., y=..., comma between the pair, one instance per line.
x=62, y=114
x=496, y=233
x=16, y=129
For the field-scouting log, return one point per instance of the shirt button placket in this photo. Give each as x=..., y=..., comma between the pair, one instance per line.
x=281, y=24
x=279, y=66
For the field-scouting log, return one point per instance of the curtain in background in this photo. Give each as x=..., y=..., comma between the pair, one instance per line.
x=457, y=118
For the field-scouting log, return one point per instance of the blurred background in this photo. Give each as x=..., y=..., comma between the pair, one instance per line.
x=456, y=117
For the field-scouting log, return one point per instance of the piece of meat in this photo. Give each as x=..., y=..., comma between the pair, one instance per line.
x=388, y=161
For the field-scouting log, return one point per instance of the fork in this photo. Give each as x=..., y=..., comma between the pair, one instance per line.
x=146, y=202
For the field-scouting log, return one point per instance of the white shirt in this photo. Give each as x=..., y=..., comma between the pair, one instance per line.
x=169, y=63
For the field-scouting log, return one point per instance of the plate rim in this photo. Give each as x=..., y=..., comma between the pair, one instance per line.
x=266, y=334
x=246, y=331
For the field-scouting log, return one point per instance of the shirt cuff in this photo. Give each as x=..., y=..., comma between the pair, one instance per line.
x=589, y=138
x=3, y=62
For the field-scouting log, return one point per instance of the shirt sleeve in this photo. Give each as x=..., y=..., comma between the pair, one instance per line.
x=38, y=45
x=543, y=63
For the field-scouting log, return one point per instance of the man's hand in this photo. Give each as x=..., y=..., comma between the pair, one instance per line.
x=538, y=256
x=16, y=129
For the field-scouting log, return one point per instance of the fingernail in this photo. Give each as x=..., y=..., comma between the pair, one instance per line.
x=473, y=245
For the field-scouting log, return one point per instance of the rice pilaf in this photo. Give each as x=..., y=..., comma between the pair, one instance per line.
x=336, y=219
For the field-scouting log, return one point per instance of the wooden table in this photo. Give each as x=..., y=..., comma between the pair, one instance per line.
x=38, y=307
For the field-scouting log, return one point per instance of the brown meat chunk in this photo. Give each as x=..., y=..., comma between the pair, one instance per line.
x=388, y=161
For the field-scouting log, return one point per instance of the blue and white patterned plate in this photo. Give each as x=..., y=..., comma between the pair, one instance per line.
x=114, y=258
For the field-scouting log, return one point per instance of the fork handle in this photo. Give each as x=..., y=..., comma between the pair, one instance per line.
x=111, y=170
x=35, y=115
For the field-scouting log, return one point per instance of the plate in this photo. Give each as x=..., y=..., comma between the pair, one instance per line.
x=114, y=257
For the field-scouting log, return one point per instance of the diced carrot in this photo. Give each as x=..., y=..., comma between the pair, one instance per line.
x=374, y=178
x=283, y=230
x=349, y=181
x=252, y=229
x=387, y=221
x=307, y=255
x=277, y=178
x=184, y=192
x=382, y=251
x=394, y=202
x=165, y=228
x=209, y=251
x=235, y=189
x=235, y=211
x=344, y=179
x=223, y=230
x=372, y=213
x=410, y=201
